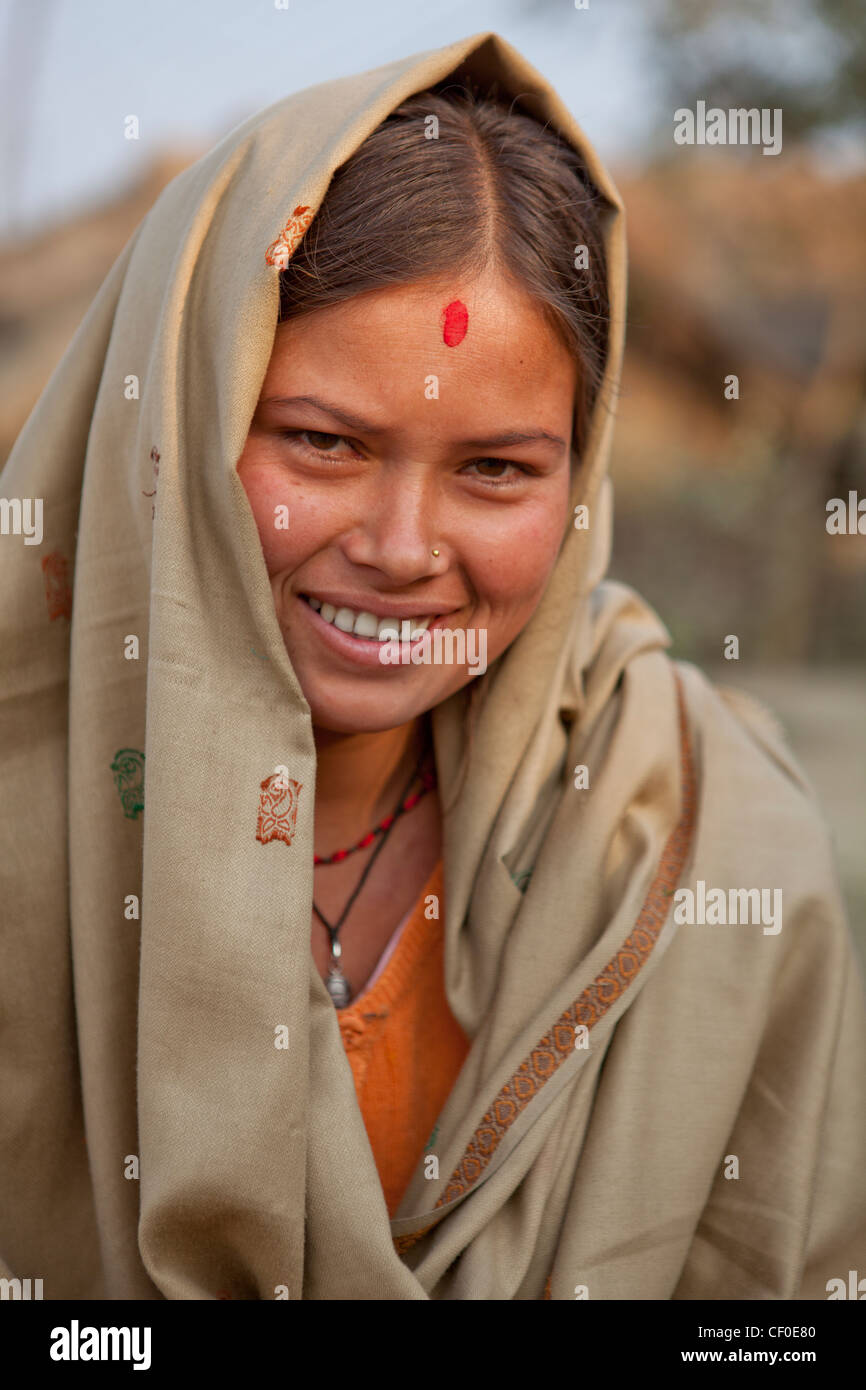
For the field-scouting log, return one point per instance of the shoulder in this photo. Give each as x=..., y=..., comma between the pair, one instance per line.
x=759, y=826
x=744, y=757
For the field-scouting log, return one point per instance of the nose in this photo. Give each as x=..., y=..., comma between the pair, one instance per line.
x=399, y=532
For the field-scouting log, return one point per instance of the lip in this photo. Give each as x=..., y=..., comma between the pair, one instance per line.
x=361, y=651
x=382, y=608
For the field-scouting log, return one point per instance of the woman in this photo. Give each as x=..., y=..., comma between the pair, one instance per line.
x=379, y=983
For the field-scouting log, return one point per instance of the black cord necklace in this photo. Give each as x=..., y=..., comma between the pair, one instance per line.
x=336, y=984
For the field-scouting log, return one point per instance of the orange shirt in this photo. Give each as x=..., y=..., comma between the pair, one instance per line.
x=405, y=1047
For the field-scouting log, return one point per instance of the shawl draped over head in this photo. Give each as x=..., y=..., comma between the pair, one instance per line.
x=648, y=1109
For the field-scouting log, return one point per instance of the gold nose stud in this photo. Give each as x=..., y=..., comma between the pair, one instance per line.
x=435, y=552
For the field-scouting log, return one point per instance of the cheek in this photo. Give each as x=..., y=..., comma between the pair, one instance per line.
x=511, y=564
x=290, y=526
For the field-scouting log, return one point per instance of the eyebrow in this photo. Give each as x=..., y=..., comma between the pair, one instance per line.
x=506, y=440
x=512, y=437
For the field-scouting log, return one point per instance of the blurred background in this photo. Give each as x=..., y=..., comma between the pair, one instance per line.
x=739, y=263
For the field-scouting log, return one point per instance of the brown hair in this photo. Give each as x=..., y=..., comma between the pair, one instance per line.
x=494, y=187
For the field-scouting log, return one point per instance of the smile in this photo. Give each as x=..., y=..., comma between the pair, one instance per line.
x=362, y=623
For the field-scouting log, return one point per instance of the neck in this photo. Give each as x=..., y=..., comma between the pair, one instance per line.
x=359, y=778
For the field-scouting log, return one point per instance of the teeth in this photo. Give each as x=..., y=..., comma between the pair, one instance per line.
x=344, y=619
x=389, y=626
x=367, y=624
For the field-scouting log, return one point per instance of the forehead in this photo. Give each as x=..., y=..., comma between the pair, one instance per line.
x=477, y=334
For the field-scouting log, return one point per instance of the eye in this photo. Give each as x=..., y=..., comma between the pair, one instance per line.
x=495, y=463
x=320, y=444
x=500, y=478
x=321, y=441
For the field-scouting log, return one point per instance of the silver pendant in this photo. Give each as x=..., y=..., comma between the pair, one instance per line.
x=338, y=987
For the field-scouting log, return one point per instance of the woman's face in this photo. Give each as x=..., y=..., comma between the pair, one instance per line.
x=376, y=442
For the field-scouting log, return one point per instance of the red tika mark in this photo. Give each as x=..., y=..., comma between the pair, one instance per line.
x=456, y=321
x=278, y=809
x=280, y=251
x=58, y=593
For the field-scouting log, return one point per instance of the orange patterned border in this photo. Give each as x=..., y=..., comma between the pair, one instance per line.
x=279, y=253
x=404, y=1243
x=58, y=589
x=557, y=1045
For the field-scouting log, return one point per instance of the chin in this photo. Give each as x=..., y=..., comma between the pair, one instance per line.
x=368, y=715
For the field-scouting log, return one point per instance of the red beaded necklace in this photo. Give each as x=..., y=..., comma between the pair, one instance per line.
x=428, y=782
x=336, y=983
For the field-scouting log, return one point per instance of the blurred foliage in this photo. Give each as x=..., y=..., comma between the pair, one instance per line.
x=806, y=56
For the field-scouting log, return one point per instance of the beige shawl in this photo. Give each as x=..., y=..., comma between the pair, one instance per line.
x=648, y=1109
